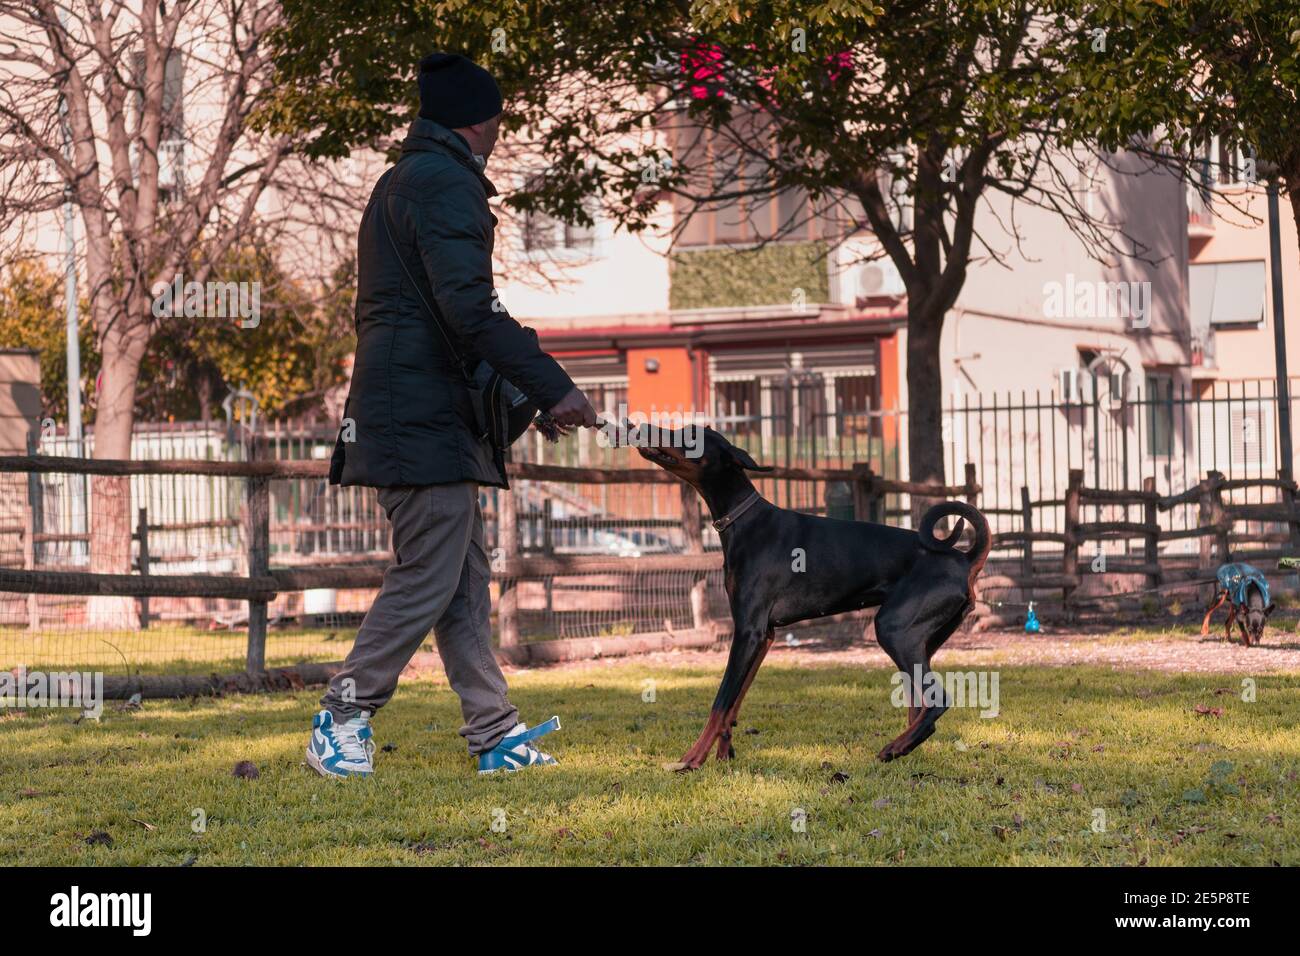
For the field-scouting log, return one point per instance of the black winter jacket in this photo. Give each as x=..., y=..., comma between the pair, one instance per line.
x=408, y=418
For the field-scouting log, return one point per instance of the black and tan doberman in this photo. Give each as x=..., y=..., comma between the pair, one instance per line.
x=782, y=566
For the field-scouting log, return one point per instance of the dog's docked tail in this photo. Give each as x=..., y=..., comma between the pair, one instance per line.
x=979, y=550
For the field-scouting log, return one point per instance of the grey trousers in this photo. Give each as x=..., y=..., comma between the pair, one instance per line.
x=439, y=582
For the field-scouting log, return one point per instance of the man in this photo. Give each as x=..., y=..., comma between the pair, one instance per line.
x=412, y=424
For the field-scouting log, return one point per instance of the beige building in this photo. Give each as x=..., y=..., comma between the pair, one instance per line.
x=1055, y=356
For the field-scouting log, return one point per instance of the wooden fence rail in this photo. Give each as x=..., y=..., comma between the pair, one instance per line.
x=263, y=583
x=1216, y=519
x=870, y=494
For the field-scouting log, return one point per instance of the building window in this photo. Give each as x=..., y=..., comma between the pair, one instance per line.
x=1227, y=293
x=853, y=395
x=171, y=139
x=1246, y=426
x=717, y=164
x=546, y=233
x=738, y=407
x=606, y=397
x=1159, y=414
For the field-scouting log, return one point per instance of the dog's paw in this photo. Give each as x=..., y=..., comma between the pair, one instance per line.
x=678, y=766
x=688, y=763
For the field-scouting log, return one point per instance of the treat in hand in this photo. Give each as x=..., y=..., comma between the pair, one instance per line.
x=549, y=427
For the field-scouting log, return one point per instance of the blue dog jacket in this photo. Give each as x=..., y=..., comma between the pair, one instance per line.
x=1236, y=579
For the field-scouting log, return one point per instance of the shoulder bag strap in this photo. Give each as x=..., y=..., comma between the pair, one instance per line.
x=383, y=219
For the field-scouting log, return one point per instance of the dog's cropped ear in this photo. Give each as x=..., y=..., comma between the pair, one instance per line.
x=745, y=460
x=1269, y=610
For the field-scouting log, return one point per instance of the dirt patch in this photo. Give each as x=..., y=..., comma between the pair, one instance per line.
x=1280, y=652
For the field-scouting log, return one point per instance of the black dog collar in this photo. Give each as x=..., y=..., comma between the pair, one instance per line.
x=727, y=520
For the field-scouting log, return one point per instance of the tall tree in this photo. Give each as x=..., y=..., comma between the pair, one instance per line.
x=865, y=107
x=136, y=113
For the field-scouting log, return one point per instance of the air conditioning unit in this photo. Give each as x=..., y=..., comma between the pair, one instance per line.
x=875, y=279
x=1068, y=385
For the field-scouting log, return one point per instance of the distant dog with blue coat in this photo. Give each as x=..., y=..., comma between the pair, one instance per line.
x=1246, y=591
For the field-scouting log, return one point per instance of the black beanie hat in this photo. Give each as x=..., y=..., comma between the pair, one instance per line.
x=456, y=92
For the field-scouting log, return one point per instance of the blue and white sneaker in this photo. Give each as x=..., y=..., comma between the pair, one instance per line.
x=341, y=750
x=516, y=750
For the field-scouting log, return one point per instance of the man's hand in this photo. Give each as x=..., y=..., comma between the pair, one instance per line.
x=574, y=409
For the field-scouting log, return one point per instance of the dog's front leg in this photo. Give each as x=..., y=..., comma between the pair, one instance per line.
x=1205, y=624
x=725, y=749
x=747, y=649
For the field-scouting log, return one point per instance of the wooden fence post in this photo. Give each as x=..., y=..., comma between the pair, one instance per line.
x=548, y=549
x=1070, y=564
x=972, y=486
x=695, y=545
x=1218, y=516
x=142, y=535
x=1151, y=541
x=508, y=547
x=866, y=500
x=1204, y=519
x=259, y=560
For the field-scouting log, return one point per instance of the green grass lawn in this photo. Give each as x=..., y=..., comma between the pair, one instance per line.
x=167, y=648
x=1175, y=787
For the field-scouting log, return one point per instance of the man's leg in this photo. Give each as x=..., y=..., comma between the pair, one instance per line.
x=432, y=529
x=464, y=635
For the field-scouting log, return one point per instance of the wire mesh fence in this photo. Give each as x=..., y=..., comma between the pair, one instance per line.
x=163, y=567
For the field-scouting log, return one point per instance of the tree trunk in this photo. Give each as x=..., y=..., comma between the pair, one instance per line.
x=925, y=404
x=110, y=495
